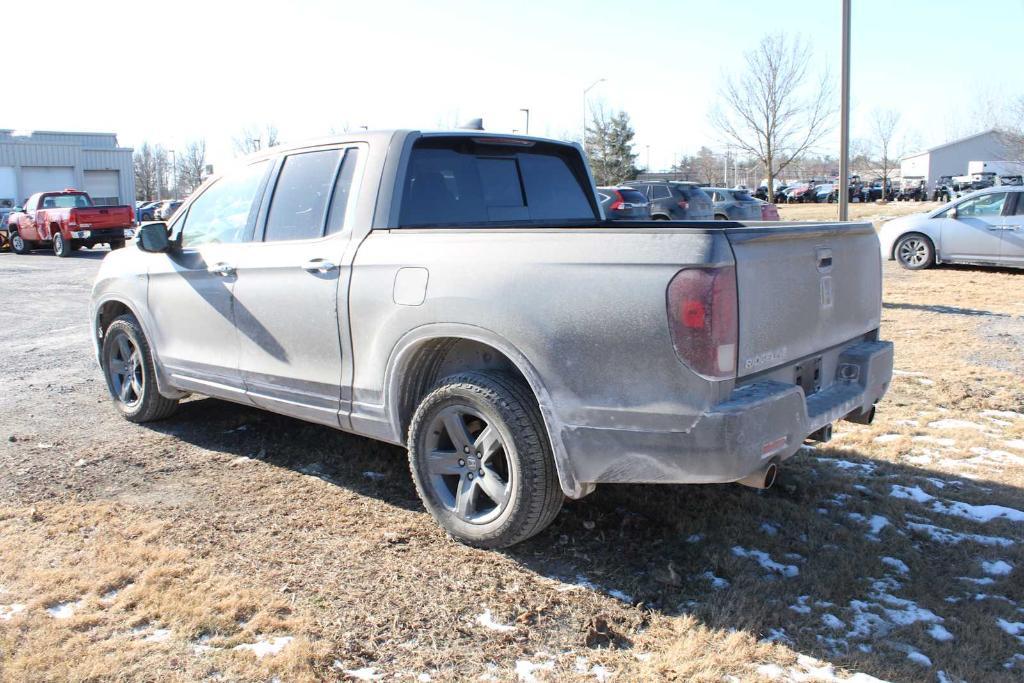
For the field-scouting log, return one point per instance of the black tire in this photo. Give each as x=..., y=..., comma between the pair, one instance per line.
x=721, y=217
x=659, y=217
x=20, y=245
x=141, y=401
x=914, y=251
x=117, y=244
x=76, y=245
x=61, y=246
x=480, y=401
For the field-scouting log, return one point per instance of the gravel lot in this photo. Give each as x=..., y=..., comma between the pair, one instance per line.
x=228, y=543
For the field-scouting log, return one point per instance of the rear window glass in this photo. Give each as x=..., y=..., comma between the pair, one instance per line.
x=66, y=201
x=633, y=197
x=743, y=196
x=462, y=182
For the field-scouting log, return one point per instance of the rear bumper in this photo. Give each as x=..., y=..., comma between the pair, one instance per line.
x=759, y=422
x=104, y=234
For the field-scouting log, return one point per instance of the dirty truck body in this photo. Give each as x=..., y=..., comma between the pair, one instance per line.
x=683, y=352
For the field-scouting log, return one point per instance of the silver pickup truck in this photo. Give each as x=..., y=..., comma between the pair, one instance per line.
x=461, y=293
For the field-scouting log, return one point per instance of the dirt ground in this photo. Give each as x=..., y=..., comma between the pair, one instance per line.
x=231, y=544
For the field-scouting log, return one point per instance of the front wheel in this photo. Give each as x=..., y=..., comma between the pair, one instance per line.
x=131, y=376
x=481, y=460
x=61, y=246
x=915, y=252
x=20, y=245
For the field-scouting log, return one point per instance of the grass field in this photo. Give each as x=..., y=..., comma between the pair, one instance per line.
x=231, y=544
x=860, y=211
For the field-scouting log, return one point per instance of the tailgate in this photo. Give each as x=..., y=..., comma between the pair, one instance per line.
x=803, y=289
x=99, y=217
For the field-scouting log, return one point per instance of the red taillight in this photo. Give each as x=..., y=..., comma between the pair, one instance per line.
x=703, y=321
x=683, y=204
x=616, y=205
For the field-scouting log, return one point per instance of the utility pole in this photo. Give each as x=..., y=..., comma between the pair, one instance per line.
x=527, y=112
x=844, y=118
x=648, y=158
x=585, y=91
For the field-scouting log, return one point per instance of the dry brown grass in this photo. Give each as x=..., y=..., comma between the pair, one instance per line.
x=295, y=540
x=866, y=211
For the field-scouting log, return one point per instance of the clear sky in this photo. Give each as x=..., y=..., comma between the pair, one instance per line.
x=168, y=72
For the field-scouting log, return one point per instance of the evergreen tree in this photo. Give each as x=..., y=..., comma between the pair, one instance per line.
x=609, y=147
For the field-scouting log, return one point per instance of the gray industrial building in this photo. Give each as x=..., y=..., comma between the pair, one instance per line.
x=952, y=158
x=44, y=161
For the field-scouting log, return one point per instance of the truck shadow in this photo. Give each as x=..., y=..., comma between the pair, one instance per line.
x=853, y=560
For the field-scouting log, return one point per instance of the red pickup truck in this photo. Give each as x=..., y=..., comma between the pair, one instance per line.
x=66, y=221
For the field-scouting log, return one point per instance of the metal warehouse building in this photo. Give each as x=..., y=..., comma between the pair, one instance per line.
x=952, y=158
x=44, y=161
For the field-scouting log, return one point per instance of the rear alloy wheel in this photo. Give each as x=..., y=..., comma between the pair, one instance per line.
x=130, y=373
x=61, y=246
x=481, y=460
x=915, y=252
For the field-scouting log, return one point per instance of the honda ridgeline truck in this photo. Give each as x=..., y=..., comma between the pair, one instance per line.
x=462, y=294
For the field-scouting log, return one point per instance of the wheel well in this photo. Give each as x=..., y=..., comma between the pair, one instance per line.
x=54, y=229
x=896, y=242
x=438, y=358
x=108, y=313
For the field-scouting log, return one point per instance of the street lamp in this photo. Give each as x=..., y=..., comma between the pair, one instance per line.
x=585, y=91
x=527, y=112
x=844, y=117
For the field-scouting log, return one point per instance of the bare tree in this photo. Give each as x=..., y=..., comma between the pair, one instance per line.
x=192, y=166
x=255, y=138
x=884, y=123
x=708, y=167
x=775, y=111
x=144, y=164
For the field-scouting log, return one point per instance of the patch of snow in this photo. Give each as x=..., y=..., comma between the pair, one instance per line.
x=801, y=606
x=888, y=438
x=987, y=581
x=423, y=678
x=717, y=582
x=777, y=635
x=978, y=513
x=1005, y=414
x=263, y=647
x=878, y=522
x=8, y=611
x=525, y=669
x=897, y=564
x=242, y=459
x=1015, y=443
x=997, y=568
x=925, y=381
x=833, y=622
x=939, y=632
x=766, y=561
x=1014, y=628
x=907, y=373
x=919, y=658
x=63, y=610
x=375, y=476
x=769, y=528
x=365, y=673
x=951, y=423
x=914, y=493
x=938, y=441
x=487, y=621
x=862, y=467
x=619, y=595
x=160, y=635
x=695, y=538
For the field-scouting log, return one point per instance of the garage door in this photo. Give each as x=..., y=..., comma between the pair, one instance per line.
x=46, y=179
x=103, y=187
x=8, y=187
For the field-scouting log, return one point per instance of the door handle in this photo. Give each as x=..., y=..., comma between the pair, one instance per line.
x=222, y=269
x=318, y=265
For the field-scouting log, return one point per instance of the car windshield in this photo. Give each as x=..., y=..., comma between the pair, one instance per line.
x=66, y=201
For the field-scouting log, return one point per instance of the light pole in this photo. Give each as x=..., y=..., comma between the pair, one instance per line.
x=844, y=119
x=527, y=112
x=585, y=91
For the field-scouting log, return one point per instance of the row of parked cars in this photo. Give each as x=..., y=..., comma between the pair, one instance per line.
x=161, y=210
x=670, y=200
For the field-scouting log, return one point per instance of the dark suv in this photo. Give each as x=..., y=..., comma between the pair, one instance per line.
x=675, y=201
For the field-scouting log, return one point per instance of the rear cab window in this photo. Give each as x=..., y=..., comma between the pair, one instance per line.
x=469, y=181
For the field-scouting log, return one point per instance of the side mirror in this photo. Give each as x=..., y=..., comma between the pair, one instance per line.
x=952, y=213
x=153, y=238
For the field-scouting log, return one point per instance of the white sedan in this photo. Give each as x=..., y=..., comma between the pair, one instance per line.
x=985, y=227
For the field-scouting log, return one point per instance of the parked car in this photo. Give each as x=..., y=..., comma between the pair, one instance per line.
x=826, y=192
x=799, y=192
x=733, y=205
x=675, y=201
x=486, y=326
x=985, y=227
x=624, y=203
x=67, y=220
x=164, y=210
x=769, y=212
x=912, y=189
x=146, y=211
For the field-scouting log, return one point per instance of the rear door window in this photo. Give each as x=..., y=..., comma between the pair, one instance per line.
x=660, y=192
x=462, y=181
x=299, y=204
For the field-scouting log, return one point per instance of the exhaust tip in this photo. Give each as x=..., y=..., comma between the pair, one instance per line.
x=761, y=479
